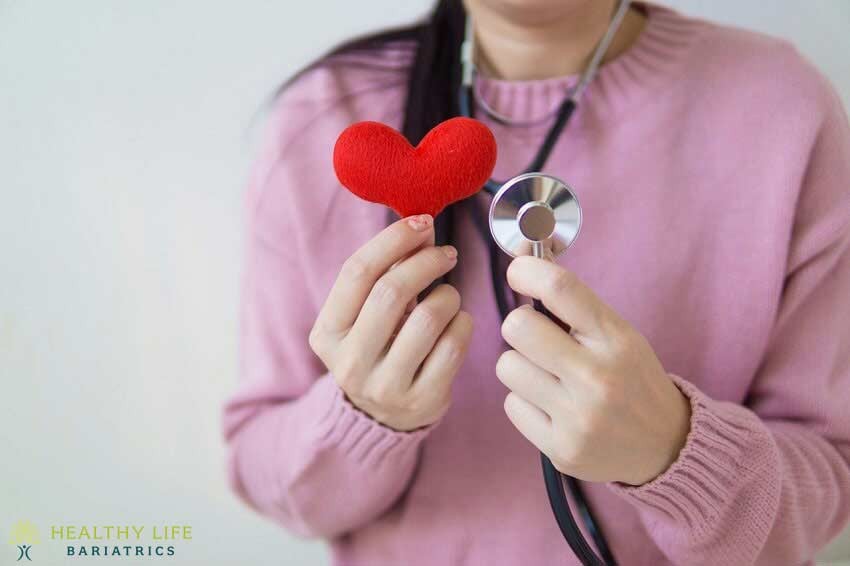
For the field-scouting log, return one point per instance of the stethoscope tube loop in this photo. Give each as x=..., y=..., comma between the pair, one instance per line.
x=553, y=479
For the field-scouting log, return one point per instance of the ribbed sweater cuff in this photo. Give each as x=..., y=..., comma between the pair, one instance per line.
x=726, y=445
x=344, y=427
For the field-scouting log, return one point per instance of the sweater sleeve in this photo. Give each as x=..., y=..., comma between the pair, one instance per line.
x=769, y=482
x=298, y=451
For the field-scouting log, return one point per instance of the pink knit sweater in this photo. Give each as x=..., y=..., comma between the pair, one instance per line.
x=713, y=167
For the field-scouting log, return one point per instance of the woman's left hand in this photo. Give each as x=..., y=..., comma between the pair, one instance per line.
x=596, y=401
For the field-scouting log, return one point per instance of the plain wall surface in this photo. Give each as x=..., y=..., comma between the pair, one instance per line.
x=125, y=135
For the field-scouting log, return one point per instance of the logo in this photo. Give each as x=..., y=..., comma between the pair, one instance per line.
x=102, y=541
x=24, y=535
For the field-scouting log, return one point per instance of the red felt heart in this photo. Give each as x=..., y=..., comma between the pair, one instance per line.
x=452, y=162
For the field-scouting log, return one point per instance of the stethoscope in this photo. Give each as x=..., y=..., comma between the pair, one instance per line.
x=538, y=214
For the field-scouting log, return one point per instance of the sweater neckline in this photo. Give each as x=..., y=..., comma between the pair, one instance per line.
x=619, y=84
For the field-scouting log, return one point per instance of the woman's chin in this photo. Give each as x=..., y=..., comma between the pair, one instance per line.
x=537, y=12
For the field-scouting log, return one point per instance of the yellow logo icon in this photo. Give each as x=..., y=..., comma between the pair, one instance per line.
x=24, y=534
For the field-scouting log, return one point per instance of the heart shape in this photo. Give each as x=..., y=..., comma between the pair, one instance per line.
x=452, y=162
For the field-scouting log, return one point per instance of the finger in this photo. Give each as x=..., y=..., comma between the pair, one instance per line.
x=419, y=333
x=390, y=295
x=442, y=363
x=367, y=264
x=563, y=293
x=529, y=381
x=530, y=421
x=542, y=341
x=408, y=308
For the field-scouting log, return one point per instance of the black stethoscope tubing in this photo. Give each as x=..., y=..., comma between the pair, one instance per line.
x=565, y=112
x=554, y=480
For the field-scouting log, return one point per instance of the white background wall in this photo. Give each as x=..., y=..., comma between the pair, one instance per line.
x=125, y=133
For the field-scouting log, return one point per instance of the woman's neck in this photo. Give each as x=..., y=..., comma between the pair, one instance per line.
x=543, y=46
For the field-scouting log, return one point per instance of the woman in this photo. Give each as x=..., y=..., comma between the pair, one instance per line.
x=700, y=397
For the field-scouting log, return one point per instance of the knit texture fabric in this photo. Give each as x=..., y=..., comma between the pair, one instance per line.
x=713, y=168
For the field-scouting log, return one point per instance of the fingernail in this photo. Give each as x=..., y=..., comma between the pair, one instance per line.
x=450, y=252
x=420, y=222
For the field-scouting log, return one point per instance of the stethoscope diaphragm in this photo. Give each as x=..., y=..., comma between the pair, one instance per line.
x=535, y=214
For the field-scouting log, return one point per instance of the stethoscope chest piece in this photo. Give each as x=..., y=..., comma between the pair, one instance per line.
x=535, y=214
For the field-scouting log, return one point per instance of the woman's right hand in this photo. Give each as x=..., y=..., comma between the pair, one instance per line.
x=396, y=368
